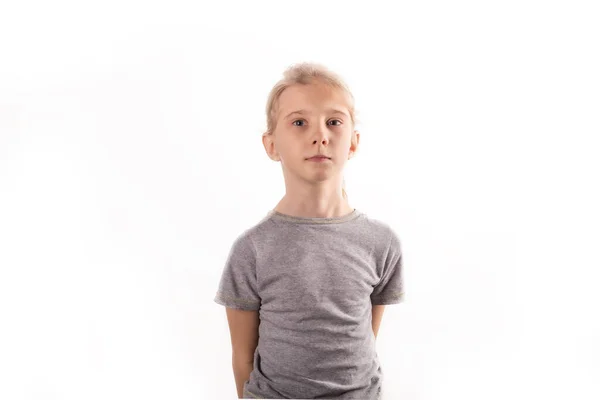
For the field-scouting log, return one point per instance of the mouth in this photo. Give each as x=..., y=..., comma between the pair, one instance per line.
x=319, y=158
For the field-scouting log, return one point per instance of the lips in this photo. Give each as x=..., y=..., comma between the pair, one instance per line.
x=319, y=157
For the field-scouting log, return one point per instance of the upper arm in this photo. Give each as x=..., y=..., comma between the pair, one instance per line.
x=243, y=329
x=390, y=288
x=377, y=315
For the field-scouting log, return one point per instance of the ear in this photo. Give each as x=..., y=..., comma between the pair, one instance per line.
x=355, y=140
x=269, y=145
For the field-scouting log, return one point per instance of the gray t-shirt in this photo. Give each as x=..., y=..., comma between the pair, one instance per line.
x=314, y=281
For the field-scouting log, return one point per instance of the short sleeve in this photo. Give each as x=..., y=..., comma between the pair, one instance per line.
x=238, y=285
x=390, y=288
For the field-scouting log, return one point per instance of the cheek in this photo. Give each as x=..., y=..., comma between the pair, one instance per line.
x=345, y=142
x=289, y=150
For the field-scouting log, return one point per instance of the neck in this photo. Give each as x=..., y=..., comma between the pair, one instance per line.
x=314, y=203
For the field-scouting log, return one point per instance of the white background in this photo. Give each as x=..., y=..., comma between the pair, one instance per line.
x=130, y=159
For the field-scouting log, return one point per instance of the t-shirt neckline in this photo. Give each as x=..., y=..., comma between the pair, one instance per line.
x=315, y=220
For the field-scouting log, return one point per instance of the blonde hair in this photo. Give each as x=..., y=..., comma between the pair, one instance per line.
x=303, y=74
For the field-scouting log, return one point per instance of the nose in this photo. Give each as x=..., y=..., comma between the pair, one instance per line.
x=321, y=136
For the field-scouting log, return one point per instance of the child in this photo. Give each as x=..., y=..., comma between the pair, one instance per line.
x=304, y=289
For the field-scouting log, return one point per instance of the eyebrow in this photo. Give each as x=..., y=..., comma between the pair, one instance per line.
x=330, y=110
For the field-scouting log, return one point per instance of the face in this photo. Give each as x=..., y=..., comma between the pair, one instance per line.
x=312, y=120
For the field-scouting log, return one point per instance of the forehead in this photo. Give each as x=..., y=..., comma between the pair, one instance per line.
x=311, y=96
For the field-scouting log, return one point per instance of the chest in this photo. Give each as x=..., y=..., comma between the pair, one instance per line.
x=309, y=274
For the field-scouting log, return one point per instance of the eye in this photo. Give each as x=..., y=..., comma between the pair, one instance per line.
x=336, y=120
x=298, y=120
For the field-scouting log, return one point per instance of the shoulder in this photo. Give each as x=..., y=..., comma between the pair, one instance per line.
x=249, y=236
x=382, y=230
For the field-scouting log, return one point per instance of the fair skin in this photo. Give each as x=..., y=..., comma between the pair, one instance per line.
x=311, y=119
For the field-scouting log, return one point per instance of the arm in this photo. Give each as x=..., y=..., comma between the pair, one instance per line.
x=377, y=314
x=243, y=329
